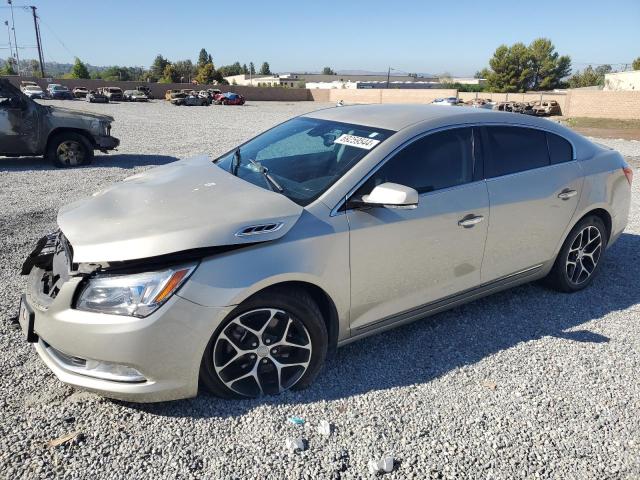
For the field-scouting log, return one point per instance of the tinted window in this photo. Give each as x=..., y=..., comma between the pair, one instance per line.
x=437, y=161
x=515, y=149
x=559, y=149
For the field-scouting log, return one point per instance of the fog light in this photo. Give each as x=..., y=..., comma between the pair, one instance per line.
x=115, y=372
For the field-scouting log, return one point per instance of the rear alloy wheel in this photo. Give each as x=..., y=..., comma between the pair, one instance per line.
x=265, y=350
x=69, y=149
x=580, y=256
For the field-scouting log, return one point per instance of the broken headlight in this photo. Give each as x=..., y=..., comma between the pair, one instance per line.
x=136, y=295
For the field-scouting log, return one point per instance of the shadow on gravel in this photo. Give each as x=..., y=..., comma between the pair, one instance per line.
x=117, y=160
x=425, y=350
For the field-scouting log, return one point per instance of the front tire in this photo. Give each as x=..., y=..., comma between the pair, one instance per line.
x=69, y=149
x=580, y=257
x=274, y=341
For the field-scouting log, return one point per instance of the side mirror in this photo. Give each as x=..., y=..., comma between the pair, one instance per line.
x=392, y=195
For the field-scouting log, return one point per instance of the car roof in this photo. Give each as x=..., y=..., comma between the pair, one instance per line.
x=399, y=116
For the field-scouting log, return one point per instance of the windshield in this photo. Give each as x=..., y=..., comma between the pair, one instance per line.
x=32, y=88
x=304, y=156
x=60, y=87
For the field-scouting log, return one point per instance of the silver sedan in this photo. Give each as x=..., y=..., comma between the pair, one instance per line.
x=239, y=274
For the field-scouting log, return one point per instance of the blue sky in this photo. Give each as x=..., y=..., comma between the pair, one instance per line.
x=411, y=36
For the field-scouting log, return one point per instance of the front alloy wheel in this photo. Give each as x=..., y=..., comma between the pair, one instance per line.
x=264, y=351
x=274, y=341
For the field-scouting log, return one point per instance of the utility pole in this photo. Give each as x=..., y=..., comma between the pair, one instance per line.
x=15, y=42
x=6, y=22
x=38, y=41
x=388, y=76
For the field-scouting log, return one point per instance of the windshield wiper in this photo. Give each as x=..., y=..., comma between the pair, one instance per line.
x=265, y=171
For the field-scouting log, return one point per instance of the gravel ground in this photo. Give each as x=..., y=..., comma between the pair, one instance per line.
x=494, y=389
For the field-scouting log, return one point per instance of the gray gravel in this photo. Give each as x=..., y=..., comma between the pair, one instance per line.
x=524, y=384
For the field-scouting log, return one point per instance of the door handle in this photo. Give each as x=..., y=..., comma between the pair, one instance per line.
x=567, y=193
x=470, y=220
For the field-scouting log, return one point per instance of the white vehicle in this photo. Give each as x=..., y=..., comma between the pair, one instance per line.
x=32, y=91
x=449, y=101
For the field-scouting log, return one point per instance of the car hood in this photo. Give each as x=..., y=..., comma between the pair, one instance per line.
x=181, y=206
x=69, y=113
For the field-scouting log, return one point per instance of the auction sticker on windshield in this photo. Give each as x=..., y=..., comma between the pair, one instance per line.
x=358, y=142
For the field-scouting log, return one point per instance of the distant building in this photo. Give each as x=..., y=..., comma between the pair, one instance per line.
x=262, y=80
x=622, y=80
x=468, y=81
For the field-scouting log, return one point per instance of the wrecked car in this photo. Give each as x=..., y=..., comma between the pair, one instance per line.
x=237, y=275
x=190, y=100
x=96, y=97
x=59, y=92
x=80, y=92
x=146, y=90
x=547, y=107
x=66, y=137
x=134, y=96
x=228, y=98
x=112, y=93
x=33, y=91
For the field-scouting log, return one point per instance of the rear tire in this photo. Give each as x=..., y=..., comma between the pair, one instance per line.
x=275, y=328
x=580, y=257
x=69, y=149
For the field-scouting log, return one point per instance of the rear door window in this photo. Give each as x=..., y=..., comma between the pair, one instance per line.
x=514, y=149
x=560, y=150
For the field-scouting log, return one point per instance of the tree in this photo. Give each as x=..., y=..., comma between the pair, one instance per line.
x=518, y=67
x=264, y=69
x=548, y=68
x=170, y=74
x=204, y=58
x=231, y=70
x=9, y=67
x=636, y=64
x=34, y=68
x=206, y=74
x=252, y=68
x=185, y=70
x=589, y=77
x=245, y=70
x=79, y=70
x=158, y=66
x=328, y=71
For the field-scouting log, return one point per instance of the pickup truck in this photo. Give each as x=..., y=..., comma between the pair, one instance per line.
x=64, y=136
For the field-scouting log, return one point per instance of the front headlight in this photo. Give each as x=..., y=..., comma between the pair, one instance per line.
x=136, y=295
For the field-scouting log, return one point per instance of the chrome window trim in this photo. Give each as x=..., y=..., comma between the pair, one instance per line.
x=335, y=210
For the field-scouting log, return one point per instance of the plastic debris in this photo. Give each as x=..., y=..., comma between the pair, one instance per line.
x=384, y=465
x=489, y=384
x=325, y=428
x=295, y=444
x=296, y=420
x=64, y=439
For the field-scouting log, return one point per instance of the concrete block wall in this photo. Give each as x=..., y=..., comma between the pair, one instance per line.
x=383, y=95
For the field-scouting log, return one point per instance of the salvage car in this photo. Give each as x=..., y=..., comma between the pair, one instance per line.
x=449, y=101
x=112, y=93
x=146, y=90
x=134, y=96
x=33, y=91
x=228, y=98
x=327, y=228
x=59, y=92
x=80, y=92
x=190, y=100
x=547, y=107
x=64, y=136
x=96, y=97
x=170, y=94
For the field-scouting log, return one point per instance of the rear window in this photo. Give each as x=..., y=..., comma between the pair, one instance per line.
x=560, y=150
x=515, y=149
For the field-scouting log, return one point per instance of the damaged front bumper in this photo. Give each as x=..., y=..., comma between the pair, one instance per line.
x=107, y=142
x=149, y=359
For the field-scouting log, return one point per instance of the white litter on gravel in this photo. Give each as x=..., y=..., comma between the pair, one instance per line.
x=527, y=383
